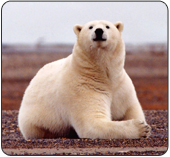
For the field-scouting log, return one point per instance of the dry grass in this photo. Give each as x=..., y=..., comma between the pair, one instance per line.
x=24, y=66
x=148, y=72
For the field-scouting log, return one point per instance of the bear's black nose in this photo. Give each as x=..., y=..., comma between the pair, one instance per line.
x=99, y=35
x=99, y=32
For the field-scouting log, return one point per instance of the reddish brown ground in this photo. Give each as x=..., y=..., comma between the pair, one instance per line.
x=149, y=75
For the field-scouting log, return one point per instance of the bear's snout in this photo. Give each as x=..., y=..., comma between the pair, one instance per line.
x=99, y=35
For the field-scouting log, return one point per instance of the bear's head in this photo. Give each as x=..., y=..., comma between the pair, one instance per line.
x=98, y=35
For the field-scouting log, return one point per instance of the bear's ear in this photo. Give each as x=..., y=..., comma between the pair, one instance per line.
x=77, y=29
x=119, y=26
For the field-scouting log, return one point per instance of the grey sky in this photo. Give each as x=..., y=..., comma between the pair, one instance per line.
x=27, y=22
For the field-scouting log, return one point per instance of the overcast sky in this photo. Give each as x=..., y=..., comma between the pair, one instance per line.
x=52, y=22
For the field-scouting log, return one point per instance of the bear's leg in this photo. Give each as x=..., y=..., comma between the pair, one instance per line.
x=32, y=132
x=105, y=129
x=136, y=112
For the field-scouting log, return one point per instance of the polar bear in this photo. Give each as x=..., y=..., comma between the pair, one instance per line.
x=88, y=92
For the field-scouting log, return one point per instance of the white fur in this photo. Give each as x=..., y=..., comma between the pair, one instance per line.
x=89, y=91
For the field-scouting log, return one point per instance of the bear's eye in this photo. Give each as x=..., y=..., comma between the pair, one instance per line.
x=107, y=27
x=90, y=27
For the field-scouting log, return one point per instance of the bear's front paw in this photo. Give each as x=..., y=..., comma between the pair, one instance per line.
x=144, y=130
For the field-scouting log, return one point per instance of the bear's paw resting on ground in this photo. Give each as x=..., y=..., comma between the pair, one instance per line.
x=89, y=91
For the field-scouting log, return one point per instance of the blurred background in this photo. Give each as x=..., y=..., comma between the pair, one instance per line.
x=36, y=33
